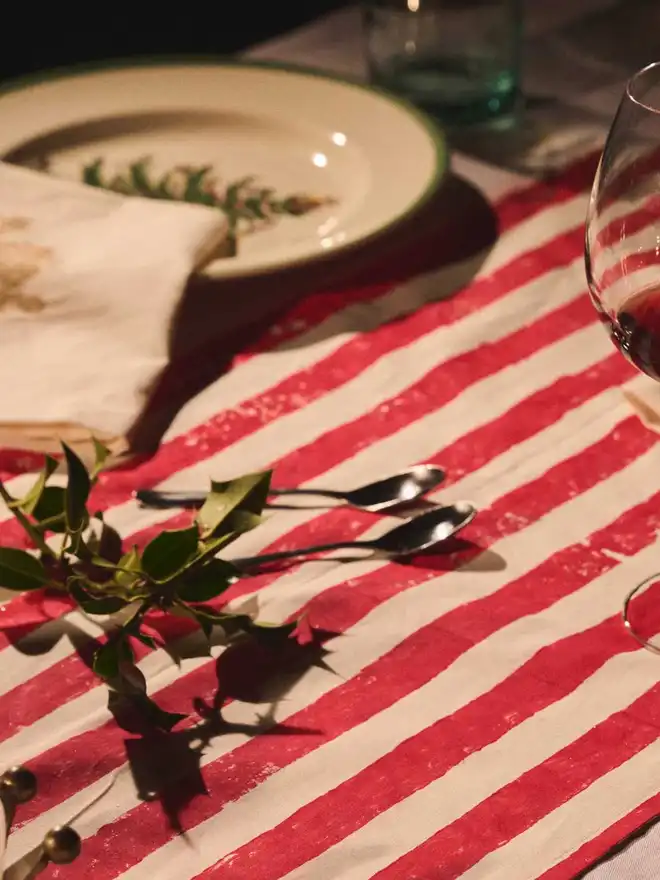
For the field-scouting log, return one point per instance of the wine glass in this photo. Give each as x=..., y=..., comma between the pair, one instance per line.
x=622, y=249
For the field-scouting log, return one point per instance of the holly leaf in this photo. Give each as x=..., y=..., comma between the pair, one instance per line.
x=96, y=605
x=129, y=689
x=31, y=531
x=49, y=511
x=230, y=622
x=246, y=494
x=28, y=503
x=209, y=581
x=128, y=568
x=21, y=571
x=205, y=624
x=101, y=454
x=149, y=641
x=110, y=656
x=271, y=633
x=77, y=491
x=168, y=553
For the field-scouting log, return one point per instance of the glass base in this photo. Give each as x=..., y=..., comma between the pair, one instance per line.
x=654, y=647
x=451, y=93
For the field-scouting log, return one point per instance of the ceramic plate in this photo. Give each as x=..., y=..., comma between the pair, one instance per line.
x=304, y=163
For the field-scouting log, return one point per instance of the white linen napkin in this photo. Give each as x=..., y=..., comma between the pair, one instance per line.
x=89, y=284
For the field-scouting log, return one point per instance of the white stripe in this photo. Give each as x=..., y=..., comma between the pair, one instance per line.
x=25, y=663
x=393, y=621
x=477, y=406
x=619, y=682
x=263, y=372
x=382, y=381
x=422, y=814
x=582, y=818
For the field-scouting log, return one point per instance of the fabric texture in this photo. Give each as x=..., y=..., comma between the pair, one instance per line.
x=478, y=713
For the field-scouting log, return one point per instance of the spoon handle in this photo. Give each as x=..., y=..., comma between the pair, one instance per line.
x=252, y=561
x=163, y=500
x=324, y=493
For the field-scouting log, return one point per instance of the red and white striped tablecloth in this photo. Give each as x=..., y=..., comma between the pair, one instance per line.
x=479, y=714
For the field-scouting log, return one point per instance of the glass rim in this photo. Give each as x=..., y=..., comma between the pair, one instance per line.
x=635, y=80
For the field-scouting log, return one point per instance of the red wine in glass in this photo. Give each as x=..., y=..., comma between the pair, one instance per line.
x=635, y=330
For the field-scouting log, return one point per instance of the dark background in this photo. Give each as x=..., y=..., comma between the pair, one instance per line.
x=35, y=41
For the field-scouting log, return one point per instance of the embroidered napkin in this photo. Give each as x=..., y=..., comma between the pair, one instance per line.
x=89, y=285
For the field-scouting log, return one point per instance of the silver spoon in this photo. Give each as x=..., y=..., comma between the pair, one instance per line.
x=383, y=494
x=413, y=536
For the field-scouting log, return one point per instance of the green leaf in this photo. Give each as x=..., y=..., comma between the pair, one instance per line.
x=194, y=191
x=92, y=604
x=35, y=536
x=92, y=173
x=30, y=501
x=246, y=494
x=255, y=207
x=77, y=491
x=128, y=568
x=21, y=571
x=163, y=188
x=149, y=641
x=110, y=656
x=50, y=509
x=229, y=621
x=270, y=633
x=233, y=193
x=209, y=581
x=205, y=624
x=139, y=178
x=165, y=556
x=101, y=454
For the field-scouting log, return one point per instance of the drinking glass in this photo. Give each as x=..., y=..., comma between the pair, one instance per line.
x=457, y=59
x=622, y=256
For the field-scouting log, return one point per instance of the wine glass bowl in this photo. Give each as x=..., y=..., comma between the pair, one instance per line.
x=622, y=252
x=622, y=257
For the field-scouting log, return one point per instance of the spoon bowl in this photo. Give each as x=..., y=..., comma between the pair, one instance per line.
x=425, y=530
x=402, y=488
x=414, y=536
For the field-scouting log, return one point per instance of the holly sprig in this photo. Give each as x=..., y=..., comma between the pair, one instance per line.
x=178, y=572
x=244, y=203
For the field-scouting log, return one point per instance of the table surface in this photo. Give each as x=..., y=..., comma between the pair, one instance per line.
x=478, y=713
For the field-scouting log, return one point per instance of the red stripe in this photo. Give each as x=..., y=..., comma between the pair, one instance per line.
x=594, y=850
x=69, y=678
x=551, y=674
x=517, y=806
x=416, y=660
x=437, y=388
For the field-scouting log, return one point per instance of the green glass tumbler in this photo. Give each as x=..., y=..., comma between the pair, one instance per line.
x=457, y=59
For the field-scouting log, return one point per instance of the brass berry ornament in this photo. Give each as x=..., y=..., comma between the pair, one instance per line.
x=19, y=783
x=62, y=845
